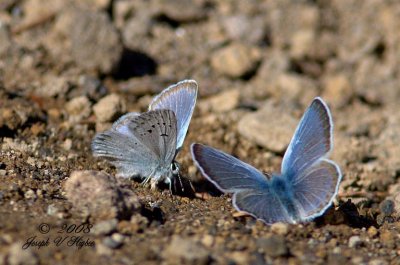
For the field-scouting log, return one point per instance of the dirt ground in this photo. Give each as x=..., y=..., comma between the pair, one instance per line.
x=68, y=69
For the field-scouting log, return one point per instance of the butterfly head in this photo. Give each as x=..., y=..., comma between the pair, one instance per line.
x=175, y=169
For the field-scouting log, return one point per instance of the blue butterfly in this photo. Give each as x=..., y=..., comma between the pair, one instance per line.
x=145, y=145
x=308, y=182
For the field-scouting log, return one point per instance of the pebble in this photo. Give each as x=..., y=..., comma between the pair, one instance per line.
x=257, y=127
x=388, y=238
x=245, y=28
x=387, y=207
x=280, y=228
x=303, y=43
x=236, y=60
x=105, y=227
x=337, y=90
x=30, y=194
x=372, y=231
x=109, y=108
x=273, y=246
x=97, y=194
x=172, y=9
x=355, y=241
x=224, y=101
x=52, y=86
x=94, y=41
x=378, y=262
x=114, y=241
x=19, y=256
x=186, y=249
x=52, y=210
x=78, y=108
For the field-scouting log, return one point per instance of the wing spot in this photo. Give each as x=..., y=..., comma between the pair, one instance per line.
x=163, y=135
x=149, y=131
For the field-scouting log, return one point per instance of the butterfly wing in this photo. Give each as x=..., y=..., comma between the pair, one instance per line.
x=315, y=188
x=181, y=99
x=311, y=141
x=252, y=190
x=134, y=146
x=314, y=180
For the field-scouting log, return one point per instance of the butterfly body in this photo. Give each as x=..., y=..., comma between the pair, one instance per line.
x=306, y=186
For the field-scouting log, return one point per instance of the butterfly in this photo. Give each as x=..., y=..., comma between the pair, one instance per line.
x=304, y=189
x=145, y=145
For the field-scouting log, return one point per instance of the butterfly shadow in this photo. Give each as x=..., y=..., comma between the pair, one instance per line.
x=348, y=214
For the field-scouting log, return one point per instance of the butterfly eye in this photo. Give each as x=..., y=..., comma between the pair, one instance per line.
x=175, y=168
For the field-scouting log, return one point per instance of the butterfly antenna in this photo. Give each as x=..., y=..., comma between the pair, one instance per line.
x=181, y=183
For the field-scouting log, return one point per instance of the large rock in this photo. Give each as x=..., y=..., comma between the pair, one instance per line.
x=109, y=108
x=186, y=250
x=236, y=60
x=99, y=196
x=271, y=127
x=91, y=38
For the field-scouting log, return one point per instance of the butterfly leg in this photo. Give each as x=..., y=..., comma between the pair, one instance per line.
x=144, y=182
x=153, y=184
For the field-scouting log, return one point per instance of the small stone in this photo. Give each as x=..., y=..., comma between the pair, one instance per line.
x=109, y=108
x=172, y=9
x=378, y=262
x=257, y=127
x=78, y=108
x=208, y=240
x=52, y=86
x=337, y=90
x=112, y=243
x=98, y=4
x=273, y=246
x=387, y=207
x=388, y=238
x=372, y=231
x=280, y=228
x=99, y=196
x=30, y=194
x=67, y=144
x=239, y=257
x=303, y=42
x=236, y=60
x=19, y=256
x=52, y=210
x=355, y=241
x=186, y=250
x=224, y=101
x=245, y=28
x=105, y=227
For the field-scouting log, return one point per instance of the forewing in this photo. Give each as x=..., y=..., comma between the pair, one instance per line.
x=181, y=99
x=226, y=172
x=262, y=204
x=315, y=189
x=157, y=131
x=311, y=141
x=121, y=125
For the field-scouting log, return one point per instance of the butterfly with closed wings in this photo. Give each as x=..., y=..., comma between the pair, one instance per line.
x=308, y=182
x=144, y=145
